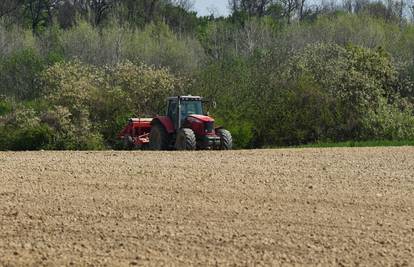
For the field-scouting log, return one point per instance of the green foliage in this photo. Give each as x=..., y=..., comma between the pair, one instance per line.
x=24, y=128
x=278, y=79
x=241, y=131
x=71, y=84
x=95, y=103
x=70, y=135
x=14, y=39
x=324, y=92
x=145, y=87
x=20, y=129
x=88, y=50
x=31, y=138
x=298, y=113
x=19, y=74
x=131, y=90
x=230, y=84
x=389, y=122
x=156, y=45
x=5, y=107
x=358, y=79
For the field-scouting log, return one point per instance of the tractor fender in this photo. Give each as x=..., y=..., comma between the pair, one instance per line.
x=164, y=121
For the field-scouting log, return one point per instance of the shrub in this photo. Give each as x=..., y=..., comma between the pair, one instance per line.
x=145, y=86
x=358, y=79
x=99, y=100
x=30, y=138
x=242, y=133
x=19, y=74
x=5, y=107
x=298, y=112
x=389, y=122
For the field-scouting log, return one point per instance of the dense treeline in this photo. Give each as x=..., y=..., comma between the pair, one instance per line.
x=283, y=72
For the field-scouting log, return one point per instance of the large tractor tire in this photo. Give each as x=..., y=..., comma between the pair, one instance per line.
x=226, y=140
x=159, y=139
x=186, y=140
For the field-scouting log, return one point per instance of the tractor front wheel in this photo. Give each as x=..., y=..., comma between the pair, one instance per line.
x=226, y=140
x=186, y=139
x=158, y=138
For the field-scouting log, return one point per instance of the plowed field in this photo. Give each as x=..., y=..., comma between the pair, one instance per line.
x=270, y=207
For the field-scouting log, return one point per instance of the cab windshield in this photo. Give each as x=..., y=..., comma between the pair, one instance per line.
x=190, y=107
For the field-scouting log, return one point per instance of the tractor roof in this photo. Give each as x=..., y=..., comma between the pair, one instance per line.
x=186, y=97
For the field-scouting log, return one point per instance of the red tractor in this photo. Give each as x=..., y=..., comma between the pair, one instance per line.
x=184, y=127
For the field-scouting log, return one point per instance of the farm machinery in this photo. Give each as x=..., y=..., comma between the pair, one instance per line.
x=184, y=127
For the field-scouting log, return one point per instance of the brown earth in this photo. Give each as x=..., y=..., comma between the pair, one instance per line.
x=267, y=207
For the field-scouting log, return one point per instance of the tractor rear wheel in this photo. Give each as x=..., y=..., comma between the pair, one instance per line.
x=186, y=140
x=158, y=138
x=226, y=140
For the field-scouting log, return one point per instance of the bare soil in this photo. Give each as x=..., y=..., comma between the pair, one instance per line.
x=266, y=207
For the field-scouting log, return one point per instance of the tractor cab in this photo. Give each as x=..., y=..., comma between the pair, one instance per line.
x=180, y=107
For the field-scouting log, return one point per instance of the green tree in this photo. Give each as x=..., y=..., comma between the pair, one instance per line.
x=20, y=73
